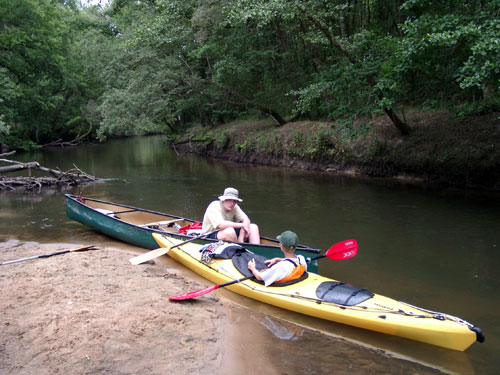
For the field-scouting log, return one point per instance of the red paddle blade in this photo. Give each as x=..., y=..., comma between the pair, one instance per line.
x=343, y=250
x=196, y=293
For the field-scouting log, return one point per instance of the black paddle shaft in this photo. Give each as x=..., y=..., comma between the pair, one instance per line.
x=48, y=255
x=236, y=281
x=56, y=253
x=316, y=258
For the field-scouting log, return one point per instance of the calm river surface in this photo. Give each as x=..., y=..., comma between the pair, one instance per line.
x=438, y=249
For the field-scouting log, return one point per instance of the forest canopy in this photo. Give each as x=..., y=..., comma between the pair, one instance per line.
x=129, y=67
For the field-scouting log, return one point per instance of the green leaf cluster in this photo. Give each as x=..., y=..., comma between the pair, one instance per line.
x=149, y=66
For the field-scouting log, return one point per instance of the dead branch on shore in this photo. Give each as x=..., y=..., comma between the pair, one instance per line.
x=60, y=143
x=191, y=140
x=71, y=177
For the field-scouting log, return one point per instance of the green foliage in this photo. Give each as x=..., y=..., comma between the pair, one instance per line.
x=321, y=146
x=139, y=67
x=316, y=147
x=204, y=139
x=277, y=145
x=262, y=144
x=12, y=139
x=347, y=130
x=43, y=80
x=298, y=145
x=482, y=67
x=222, y=140
x=449, y=55
x=241, y=147
x=171, y=138
x=4, y=129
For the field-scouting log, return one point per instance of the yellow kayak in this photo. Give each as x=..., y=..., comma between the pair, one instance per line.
x=328, y=299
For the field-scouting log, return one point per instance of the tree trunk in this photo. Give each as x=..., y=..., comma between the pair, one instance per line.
x=18, y=167
x=400, y=124
x=280, y=120
x=243, y=102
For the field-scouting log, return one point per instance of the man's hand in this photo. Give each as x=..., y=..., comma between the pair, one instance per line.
x=243, y=237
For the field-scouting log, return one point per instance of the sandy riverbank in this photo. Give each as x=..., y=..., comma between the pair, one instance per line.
x=94, y=313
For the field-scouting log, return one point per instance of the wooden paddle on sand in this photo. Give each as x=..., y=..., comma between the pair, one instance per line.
x=163, y=250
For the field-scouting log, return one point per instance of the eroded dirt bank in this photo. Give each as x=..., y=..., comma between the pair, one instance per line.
x=441, y=149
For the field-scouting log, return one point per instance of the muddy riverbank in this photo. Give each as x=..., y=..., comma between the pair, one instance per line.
x=441, y=149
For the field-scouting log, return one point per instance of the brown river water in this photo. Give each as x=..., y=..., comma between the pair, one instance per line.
x=430, y=247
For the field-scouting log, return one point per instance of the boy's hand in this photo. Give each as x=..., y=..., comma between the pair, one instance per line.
x=270, y=262
x=251, y=264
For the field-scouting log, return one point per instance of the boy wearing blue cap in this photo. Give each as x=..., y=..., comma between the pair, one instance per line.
x=280, y=270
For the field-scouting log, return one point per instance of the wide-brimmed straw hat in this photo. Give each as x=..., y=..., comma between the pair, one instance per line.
x=230, y=193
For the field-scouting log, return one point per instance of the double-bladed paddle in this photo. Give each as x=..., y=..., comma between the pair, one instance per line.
x=163, y=250
x=85, y=248
x=340, y=251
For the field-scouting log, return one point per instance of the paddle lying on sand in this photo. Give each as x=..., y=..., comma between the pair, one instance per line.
x=163, y=250
x=85, y=248
x=342, y=250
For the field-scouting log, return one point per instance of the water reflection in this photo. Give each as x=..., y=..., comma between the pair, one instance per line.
x=274, y=346
x=282, y=330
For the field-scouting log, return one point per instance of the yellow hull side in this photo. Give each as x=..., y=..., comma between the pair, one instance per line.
x=379, y=313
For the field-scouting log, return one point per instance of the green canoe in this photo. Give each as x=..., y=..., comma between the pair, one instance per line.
x=136, y=226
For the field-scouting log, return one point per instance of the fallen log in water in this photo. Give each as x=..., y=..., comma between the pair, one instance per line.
x=74, y=176
x=18, y=166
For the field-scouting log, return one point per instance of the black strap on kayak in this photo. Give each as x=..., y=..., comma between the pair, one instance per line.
x=354, y=294
x=342, y=293
x=329, y=289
